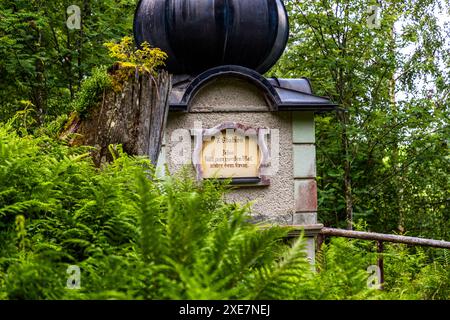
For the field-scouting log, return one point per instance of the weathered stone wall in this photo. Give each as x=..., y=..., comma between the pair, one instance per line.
x=227, y=95
x=305, y=168
x=305, y=185
x=237, y=101
x=291, y=197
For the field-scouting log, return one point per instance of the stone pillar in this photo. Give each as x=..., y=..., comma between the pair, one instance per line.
x=305, y=185
x=161, y=164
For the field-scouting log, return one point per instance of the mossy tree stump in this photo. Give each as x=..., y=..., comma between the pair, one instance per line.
x=134, y=116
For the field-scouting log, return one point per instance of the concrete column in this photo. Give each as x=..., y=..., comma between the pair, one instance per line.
x=161, y=165
x=305, y=185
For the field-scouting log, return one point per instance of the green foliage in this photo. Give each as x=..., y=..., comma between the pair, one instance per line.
x=342, y=277
x=144, y=59
x=43, y=61
x=136, y=237
x=92, y=90
x=129, y=60
x=412, y=274
x=409, y=272
x=35, y=279
x=383, y=157
x=133, y=237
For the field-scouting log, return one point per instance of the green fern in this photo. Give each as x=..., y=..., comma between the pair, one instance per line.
x=136, y=237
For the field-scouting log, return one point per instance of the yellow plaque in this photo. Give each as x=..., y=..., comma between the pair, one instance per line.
x=230, y=154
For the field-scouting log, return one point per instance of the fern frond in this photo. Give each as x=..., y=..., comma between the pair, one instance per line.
x=21, y=207
x=280, y=280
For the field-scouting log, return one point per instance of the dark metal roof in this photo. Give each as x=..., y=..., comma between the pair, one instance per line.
x=198, y=35
x=281, y=94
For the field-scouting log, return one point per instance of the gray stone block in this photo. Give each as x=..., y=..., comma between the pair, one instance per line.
x=304, y=160
x=303, y=127
x=305, y=218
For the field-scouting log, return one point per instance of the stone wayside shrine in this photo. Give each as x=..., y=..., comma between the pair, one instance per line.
x=226, y=120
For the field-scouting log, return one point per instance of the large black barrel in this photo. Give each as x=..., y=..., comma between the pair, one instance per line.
x=201, y=34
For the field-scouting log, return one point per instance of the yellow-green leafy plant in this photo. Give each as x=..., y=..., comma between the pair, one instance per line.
x=130, y=60
x=146, y=59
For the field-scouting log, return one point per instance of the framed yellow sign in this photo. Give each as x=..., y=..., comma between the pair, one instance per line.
x=232, y=151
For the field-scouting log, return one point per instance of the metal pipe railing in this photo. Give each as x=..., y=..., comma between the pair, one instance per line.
x=322, y=232
x=385, y=237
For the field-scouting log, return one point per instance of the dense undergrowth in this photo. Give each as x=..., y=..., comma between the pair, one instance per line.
x=136, y=237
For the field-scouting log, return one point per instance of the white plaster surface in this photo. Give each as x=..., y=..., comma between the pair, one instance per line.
x=229, y=94
x=275, y=201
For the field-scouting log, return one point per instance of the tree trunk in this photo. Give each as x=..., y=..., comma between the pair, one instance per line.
x=135, y=118
x=398, y=178
x=348, y=196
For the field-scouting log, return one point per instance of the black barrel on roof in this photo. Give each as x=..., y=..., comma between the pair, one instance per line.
x=202, y=34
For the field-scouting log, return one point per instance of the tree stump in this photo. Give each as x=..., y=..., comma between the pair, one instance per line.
x=135, y=117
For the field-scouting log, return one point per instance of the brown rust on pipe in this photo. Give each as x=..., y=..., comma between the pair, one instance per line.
x=385, y=237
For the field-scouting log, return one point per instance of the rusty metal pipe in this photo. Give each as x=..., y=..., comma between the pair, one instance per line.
x=385, y=237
